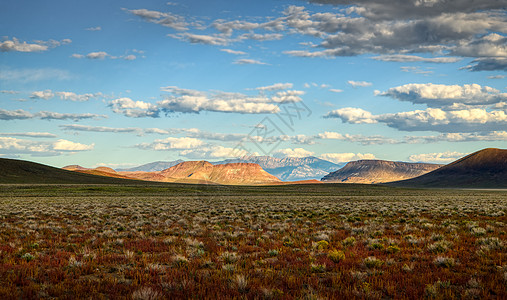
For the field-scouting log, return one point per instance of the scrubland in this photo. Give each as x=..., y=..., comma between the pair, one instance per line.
x=291, y=242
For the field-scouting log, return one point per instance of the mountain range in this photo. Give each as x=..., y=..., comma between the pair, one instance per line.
x=482, y=169
x=201, y=172
x=290, y=168
x=286, y=169
x=378, y=171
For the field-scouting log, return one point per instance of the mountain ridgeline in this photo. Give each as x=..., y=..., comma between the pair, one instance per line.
x=289, y=168
x=482, y=169
x=378, y=171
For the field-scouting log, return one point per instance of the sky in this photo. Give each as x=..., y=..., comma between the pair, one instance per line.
x=123, y=83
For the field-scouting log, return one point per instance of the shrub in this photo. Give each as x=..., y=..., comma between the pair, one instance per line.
x=336, y=255
x=372, y=262
x=350, y=241
x=443, y=261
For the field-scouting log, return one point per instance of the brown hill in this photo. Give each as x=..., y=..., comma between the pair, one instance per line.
x=205, y=172
x=100, y=171
x=21, y=171
x=378, y=171
x=482, y=169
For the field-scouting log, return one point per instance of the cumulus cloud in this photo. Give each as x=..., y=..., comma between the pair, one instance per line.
x=352, y=115
x=440, y=95
x=432, y=119
x=444, y=157
x=134, y=109
x=36, y=46
x=345, y=157
x=18, y=114
x=47, y=94
x=162, y=18
x=296, y=152
x=14, y=146
x=171, y=143
x=359, y=83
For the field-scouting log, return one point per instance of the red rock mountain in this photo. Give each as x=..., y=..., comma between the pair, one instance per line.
x=378, y=171
x=233, y=173
x=482, y=169
x=194, y=172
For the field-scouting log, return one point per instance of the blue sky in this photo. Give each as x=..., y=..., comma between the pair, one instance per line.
x=121, y=83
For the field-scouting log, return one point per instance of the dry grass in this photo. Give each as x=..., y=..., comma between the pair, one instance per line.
x=87, y=242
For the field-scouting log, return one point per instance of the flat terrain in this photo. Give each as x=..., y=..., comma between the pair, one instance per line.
x=276, y=242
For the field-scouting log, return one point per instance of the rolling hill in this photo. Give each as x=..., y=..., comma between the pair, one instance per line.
x=378, y=171
x=482, y=169
x=21, y=171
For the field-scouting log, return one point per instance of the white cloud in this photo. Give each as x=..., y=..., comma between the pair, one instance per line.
x=214, y=40
x=13, y=146
x=345, y=157
x=47, y=94
x=296, y=152
x=172, y=143
x=64, y=145
x=415, y=58
x=196, y=104
x=359, y=83
x=97, y=55
x=335, y=90
x=134, y=109
x=247, y=61
x=440, y=95
x=432, y=119
x=37, y=46
x=162, y=18
x=235, y=52
x=31, y=134
x=275, y=87
x=444, y=157
x=97, y=28
x=352, y=115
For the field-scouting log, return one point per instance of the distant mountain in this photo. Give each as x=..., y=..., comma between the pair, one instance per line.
x=21, y=171
x=482, y=169
x=231, y=173
x=100, y=171
x=378, y=171
x=152, y=167
x=289, y=168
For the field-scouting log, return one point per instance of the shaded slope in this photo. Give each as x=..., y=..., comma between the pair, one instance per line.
x=482, y=169
x=21, y=171
x=378, y=171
